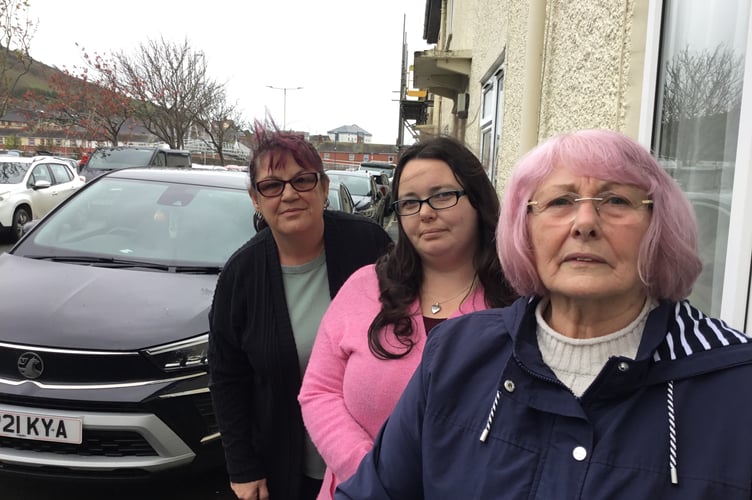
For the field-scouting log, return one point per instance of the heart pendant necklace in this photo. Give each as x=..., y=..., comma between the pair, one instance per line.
x=436, y=306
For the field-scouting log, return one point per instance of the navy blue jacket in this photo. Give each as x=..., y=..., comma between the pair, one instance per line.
x=485, y=418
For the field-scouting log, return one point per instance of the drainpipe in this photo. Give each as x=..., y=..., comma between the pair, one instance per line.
x=532, y=75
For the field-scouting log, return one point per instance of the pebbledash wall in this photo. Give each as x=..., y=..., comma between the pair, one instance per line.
x=505, y=74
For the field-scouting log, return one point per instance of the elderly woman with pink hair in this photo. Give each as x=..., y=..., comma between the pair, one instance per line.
x=603, y=381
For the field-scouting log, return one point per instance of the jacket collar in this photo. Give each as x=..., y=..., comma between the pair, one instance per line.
x=674, y=332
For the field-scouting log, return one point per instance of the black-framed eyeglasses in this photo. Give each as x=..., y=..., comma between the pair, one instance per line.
x=438, y=201
x=306, y=181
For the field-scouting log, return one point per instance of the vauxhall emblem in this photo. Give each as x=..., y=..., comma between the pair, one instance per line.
x=30, y=365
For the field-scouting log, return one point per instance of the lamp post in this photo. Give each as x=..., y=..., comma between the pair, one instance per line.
x=284, y=101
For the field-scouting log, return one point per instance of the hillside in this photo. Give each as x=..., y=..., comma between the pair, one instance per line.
x=37, y=79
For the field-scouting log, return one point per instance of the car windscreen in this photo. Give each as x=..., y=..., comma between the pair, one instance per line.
x=147, y=221
x=12, y=172
x=112, y=159
x=389, y=171
x=358, y=185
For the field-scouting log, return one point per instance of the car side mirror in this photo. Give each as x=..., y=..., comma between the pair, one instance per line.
x=41, y=184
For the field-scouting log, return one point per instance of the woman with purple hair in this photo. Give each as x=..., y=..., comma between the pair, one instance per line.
x=268, y=303
x=603, y=381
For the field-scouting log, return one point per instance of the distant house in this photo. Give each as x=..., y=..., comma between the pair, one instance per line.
x=349, y=133
x=343, y=155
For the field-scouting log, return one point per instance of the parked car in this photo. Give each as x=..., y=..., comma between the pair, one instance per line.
x=365, y=192
x=32, y=187
x=113, y=158
x=104, y=330
x=379, y=167
x=340, y=197
x=384, y=186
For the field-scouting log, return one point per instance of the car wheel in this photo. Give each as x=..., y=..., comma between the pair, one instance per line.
x=20, y=217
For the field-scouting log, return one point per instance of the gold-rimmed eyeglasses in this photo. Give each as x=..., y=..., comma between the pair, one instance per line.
x=611, y=207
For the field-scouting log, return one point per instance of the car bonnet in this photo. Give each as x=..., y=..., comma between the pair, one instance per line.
x=50, y=304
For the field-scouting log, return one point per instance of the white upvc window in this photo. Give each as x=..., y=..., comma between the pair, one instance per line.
x=697, y=119
x=492, y=106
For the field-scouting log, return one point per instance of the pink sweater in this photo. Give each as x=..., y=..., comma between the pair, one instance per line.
x=347, y=393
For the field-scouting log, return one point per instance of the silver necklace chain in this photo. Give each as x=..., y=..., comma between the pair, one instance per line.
x=436, y=305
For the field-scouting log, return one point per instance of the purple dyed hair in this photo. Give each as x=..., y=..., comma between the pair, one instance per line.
x=272, y=145
x=668, y=262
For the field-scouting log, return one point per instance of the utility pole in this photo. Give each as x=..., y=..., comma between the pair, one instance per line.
x=403, y=84
x=284, y=102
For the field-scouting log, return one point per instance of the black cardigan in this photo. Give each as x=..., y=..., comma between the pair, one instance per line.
x=253, y=361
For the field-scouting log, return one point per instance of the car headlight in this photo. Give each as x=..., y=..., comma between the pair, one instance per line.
x=183, y=355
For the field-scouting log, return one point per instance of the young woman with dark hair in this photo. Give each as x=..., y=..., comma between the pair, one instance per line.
x=443, y=265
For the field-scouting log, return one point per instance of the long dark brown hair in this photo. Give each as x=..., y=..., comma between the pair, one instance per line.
x=400, y=272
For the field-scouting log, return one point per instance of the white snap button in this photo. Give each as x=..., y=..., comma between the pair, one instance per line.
x=579, y=453
x=509, y=385
x=623, y=366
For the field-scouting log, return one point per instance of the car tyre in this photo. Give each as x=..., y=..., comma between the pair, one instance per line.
x=20, y=217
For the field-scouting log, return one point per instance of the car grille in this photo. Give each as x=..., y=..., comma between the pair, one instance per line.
x=78, y=367
x=94, y=444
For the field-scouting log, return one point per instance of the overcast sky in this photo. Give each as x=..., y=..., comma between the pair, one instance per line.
x=346, y=54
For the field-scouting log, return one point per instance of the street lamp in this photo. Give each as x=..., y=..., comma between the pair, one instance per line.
x=284, y=102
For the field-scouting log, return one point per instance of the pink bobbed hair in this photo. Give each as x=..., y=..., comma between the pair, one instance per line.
x=668, y=262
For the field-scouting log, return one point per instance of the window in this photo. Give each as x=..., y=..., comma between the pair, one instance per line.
x=366, y=157
x=351, y=157
x=492, y=104
x=40, y=173
x=60, y=173
x=326, y=156
x=160, y=160
x=696, y=123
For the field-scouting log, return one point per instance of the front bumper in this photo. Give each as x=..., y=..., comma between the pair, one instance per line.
x=129, y=429
x=112, y=441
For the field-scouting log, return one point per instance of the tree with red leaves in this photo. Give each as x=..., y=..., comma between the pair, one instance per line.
x=89, y=98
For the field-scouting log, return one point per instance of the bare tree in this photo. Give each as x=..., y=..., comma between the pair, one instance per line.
x=700, y=91
x=702, y=83
x=170, y=86
x=219, y=124
x=16, y=33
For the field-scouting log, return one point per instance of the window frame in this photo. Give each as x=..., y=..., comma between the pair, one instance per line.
x=736, y=299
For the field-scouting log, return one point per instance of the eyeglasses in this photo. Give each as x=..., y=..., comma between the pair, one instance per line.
x=611, y=207
x=301, y=183
x=438, y=201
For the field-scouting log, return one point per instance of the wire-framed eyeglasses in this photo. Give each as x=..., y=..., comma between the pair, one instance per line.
x=438, y=201
x=306, y=181
x=611, y=207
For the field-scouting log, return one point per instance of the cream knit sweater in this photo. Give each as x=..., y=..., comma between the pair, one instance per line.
x=576, y=362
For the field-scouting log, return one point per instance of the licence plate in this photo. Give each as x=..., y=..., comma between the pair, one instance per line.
x=40, y=427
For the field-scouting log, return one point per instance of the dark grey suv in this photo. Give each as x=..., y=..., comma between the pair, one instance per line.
x=104, y=330
x=113, y=158
x=368, y=197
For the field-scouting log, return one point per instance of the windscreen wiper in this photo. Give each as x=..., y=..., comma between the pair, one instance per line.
x=100, y=261
x=197, y=269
